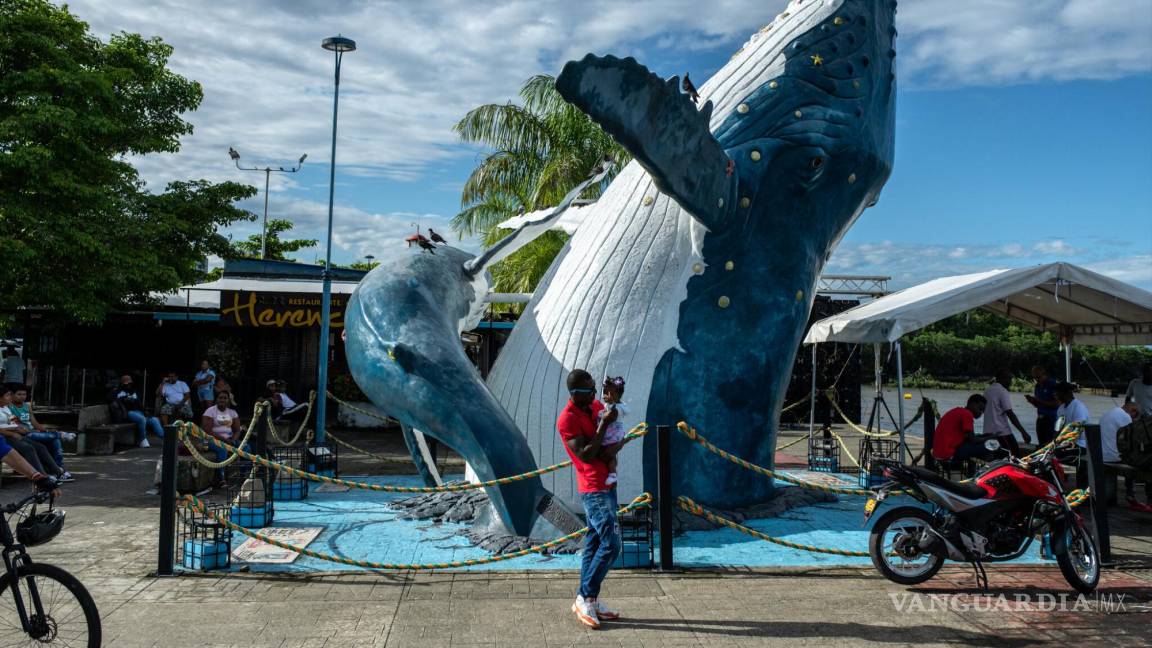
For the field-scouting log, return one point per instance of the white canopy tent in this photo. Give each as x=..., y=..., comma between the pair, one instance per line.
x=1078, y=305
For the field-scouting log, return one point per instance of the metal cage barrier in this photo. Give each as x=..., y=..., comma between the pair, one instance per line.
x=202, y=543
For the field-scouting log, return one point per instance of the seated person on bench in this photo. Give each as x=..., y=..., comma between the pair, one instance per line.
x=33, y=430
x=37, y=455
x=1110, y=424
x=955, y=438
x=283, y=407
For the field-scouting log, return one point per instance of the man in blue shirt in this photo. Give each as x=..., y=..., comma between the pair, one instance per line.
x=1043, y=398
x=204, y=383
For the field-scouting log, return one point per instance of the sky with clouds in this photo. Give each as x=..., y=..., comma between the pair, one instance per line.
x=1024, y=129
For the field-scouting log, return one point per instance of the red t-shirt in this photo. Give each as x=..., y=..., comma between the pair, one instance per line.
x=950, y=431
x=573, y=423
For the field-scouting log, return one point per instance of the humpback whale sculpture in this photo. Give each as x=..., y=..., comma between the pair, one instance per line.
x=692, y=276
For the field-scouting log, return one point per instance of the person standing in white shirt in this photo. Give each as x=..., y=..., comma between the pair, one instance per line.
x=1140, y=391
x=1071, y=410
x=999, y=414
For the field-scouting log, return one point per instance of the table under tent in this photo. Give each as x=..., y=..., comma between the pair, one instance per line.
x=1077, y=305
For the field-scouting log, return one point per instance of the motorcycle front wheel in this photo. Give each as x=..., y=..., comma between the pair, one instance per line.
x=1080, y=562
x=894, y=546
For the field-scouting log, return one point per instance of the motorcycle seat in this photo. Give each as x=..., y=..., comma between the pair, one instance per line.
x=970, y=490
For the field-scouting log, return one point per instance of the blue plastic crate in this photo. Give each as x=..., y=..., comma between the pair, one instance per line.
x=633, y=555
x=203, y=555
x=871, y=480
x=824, y=464
x=323, y=473
x=289, y=491
x=256, y=516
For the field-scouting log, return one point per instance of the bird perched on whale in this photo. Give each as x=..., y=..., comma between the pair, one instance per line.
x=436, y=238
x=690, y=88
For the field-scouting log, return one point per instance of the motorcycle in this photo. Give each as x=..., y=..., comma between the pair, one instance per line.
x=992, y=518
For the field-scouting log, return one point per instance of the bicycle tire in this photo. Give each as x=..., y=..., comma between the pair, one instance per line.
x=43, y=573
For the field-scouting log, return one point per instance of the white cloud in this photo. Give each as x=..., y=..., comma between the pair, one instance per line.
x=1136, y=270
x=421, y=65
x=981, y=42
x=912, y=263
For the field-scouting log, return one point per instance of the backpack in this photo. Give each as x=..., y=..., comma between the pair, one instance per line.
x=1134, y=441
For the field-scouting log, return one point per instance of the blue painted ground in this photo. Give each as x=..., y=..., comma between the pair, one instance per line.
x=360, y=525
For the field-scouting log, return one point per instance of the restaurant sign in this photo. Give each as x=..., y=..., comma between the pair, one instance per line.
x=277, y=309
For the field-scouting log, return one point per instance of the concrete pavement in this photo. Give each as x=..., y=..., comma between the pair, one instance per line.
x=109, y=543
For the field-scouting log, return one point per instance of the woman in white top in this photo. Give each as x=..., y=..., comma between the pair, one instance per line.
x=222, y=422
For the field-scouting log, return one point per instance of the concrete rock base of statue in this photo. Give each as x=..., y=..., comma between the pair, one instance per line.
x=472, y=507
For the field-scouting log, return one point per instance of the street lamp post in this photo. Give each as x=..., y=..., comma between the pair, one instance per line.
x=337, y=45
x=268, y=171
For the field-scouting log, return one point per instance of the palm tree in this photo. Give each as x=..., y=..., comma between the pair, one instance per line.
x=540, y=151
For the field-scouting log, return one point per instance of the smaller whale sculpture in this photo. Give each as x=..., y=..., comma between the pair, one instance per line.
x=402, y=338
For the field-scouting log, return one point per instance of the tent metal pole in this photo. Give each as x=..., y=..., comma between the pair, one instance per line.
x=812, y=398
x=900, y=397
x=1067, y=361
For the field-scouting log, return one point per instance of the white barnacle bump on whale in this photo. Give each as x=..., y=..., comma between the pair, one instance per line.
x=647, y=200
x=799, y=295
x=729, y=265
x=852, y=178
x=742, y=108
x=723, y=302
x=755, y=155
x=745, y=202
x=773, y=84
x=698, y=268
x=799, y=114
x=720, y=203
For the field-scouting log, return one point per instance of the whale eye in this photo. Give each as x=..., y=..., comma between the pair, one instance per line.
x=815, y=163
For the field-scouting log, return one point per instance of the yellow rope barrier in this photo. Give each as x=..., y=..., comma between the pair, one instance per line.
x=695, y=509
x=791, y=443
x=694, y=436
x=355, y=448
x=846, y=450
x=361, y=410
x=191, y=430
x=797, y=403
x=191, y=501
x=272, y=429
x=257, y=412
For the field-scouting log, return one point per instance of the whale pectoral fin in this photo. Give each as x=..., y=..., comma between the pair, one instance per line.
x=659, y=126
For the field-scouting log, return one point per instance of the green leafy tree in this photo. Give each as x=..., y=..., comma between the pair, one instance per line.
x=73, y=109
x=541, y=149
x=278, y=249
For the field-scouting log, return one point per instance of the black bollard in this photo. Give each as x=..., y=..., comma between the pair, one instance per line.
x=166, y=546
x=664, y=494
x=1099, y=500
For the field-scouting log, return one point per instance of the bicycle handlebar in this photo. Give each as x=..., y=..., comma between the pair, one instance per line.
x=39, y=496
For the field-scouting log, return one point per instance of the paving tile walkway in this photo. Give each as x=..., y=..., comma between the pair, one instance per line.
x=109, y=543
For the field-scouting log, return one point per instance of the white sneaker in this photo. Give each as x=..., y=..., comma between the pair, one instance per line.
x=586, y=613
x=605, y=613
x=145, y=444
x=68, y=436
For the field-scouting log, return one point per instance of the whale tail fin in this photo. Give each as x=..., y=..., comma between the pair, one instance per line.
x=658, y=125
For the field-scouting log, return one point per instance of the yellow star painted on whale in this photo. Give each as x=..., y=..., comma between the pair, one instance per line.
x=817, y=59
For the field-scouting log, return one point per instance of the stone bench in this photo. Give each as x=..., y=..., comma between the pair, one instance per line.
x=98, y=435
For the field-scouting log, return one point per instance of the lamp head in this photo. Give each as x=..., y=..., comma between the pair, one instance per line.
x=302, y=158
x=233, y=154
x=338, y=44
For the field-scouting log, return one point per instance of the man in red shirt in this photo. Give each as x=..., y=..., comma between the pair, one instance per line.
x=955, y=436
x=582, y=425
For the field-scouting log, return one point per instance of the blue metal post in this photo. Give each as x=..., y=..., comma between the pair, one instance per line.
x=326, y=298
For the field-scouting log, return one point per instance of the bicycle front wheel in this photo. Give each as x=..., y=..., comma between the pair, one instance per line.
x=69, y=614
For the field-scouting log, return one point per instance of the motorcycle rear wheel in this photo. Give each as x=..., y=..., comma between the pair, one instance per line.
x=1080, y=562
x=892, y=534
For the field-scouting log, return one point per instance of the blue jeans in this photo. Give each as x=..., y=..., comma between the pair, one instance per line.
x=52, y=441
x=145, y=422
x=222, y=454
x=602, y=542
